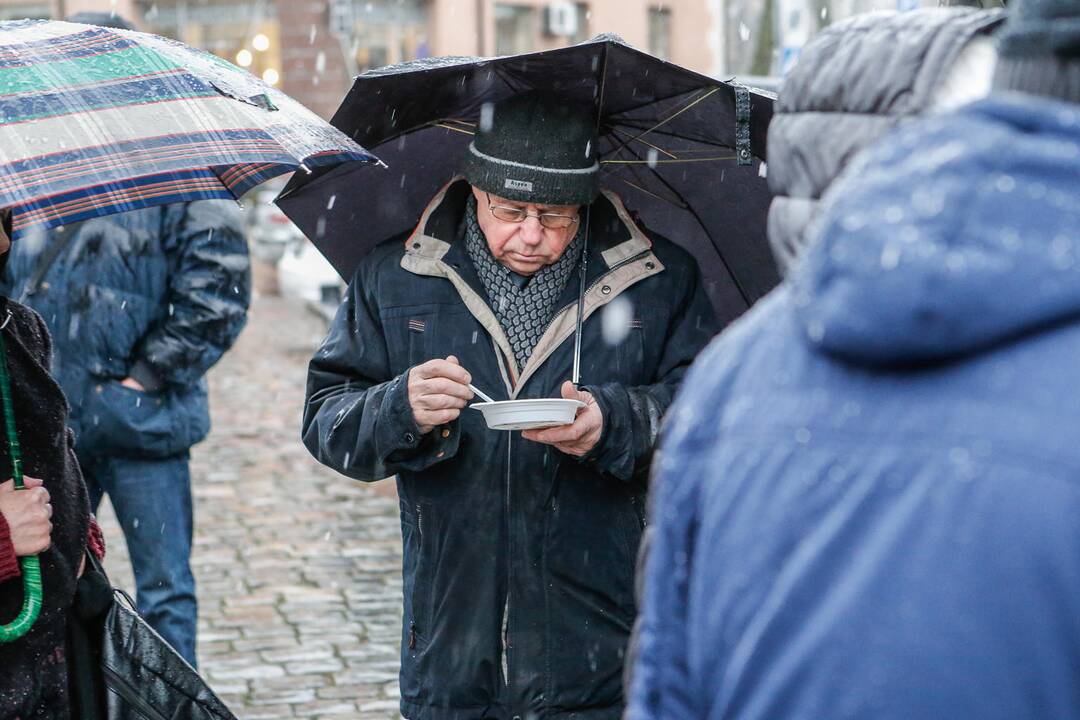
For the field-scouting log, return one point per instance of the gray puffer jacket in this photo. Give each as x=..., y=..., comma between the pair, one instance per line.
x=856, y=81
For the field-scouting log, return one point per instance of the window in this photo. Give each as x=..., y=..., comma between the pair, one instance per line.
x=387, y=32
x=515, y=29
x=20, y=11
x=245, y=33
x=583, y=15
x=660, y=32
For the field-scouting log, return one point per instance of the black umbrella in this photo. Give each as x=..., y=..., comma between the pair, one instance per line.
x=681, y=149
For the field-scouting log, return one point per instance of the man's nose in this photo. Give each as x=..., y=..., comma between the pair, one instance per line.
x=532, y=232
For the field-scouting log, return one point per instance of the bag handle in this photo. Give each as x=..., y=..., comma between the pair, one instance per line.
x=31, y=566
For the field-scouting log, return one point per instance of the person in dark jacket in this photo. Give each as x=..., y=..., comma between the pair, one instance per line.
x=142, y=304
x=518, y=547
x=50, y=518
x=867, y=508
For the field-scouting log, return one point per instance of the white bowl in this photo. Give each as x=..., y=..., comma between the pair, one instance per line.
x=528, y=414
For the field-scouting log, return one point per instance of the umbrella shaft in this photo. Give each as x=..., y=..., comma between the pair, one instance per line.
x=581, y=300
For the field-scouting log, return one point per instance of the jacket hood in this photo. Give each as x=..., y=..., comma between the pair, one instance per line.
x=955, y=234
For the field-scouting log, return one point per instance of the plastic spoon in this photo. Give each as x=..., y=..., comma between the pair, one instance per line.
x=481, y=394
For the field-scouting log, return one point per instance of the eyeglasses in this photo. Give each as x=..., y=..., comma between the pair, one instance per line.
x=552, y=221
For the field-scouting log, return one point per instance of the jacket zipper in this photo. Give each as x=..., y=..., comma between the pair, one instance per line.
x=128, y=694
x=420, y=531
x=509, y=466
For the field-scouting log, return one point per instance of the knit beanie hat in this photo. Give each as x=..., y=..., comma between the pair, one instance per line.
x=1039, y=49
x=534, y=148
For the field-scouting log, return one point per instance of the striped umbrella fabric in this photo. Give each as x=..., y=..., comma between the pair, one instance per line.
x=98, y=120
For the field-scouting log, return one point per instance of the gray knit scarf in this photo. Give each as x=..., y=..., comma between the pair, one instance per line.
x=523, y=309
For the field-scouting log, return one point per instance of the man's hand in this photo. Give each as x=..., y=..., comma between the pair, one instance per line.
x=28, y=515
x=438, y=390
x=133, y=384
x=580, y=436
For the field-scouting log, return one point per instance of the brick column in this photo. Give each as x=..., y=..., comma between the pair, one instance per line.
x=313, y=64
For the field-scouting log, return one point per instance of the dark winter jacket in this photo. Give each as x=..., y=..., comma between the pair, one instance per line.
x=491, y=521
x=868, y=506
x=33, y=671
x=157, y=294
x=856, y=81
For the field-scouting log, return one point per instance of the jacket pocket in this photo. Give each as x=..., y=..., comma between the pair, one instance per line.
x=409, y=333
x=418, y=333
x=416, y=527
x=418, y=575
x=118, y=420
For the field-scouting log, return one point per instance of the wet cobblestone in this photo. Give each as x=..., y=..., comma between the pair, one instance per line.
x=298, y=568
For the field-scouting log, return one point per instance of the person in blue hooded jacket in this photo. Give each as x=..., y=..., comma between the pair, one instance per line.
x=867, y=504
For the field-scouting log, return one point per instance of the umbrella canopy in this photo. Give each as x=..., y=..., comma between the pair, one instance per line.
x=97, y=120
x=669, y=146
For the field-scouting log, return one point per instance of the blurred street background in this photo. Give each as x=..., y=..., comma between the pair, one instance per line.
x=312, y=48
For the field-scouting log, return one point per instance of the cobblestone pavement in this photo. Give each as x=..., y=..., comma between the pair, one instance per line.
x=298, y=568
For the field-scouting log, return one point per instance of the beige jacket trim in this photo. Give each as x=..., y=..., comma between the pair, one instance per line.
x=638, y=242
x=604, y=290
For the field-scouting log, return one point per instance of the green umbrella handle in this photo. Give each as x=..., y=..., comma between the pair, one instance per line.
x=31, y=566
x=31, y=572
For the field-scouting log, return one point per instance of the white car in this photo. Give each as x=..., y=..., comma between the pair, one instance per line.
x=304, y=273
x=269, y=231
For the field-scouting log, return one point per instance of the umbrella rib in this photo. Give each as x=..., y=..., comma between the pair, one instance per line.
x=665, y=162
x=677, y=136
x=678, y=200
x=668, y=119
x=603, y=88
x=690, y=209
x=451, y=127
x=666, y=98
x=615, y=129
x=650, y=193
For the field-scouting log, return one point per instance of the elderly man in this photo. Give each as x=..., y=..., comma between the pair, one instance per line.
x=519, y=548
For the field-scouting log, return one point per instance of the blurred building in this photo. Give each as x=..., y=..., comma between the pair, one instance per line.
x=312, y=48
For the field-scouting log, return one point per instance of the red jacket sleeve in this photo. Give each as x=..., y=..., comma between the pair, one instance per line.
x=96, y=540
x=9, y=563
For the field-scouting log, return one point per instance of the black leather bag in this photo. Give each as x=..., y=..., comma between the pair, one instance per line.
x=120, y=669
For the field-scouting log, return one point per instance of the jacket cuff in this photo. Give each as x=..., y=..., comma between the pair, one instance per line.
x=95, y=540
x=146, y=376
x=401, y=443
x=9, y=562
x=613, y=453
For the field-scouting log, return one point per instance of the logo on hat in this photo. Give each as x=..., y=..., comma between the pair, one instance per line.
x=518, y=185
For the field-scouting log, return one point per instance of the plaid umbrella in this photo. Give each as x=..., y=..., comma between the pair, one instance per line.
x=97, y=120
